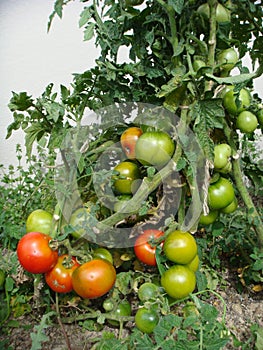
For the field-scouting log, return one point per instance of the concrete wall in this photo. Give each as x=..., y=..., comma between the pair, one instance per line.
x=31, y=58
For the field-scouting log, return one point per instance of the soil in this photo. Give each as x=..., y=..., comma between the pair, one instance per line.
x=243, y=309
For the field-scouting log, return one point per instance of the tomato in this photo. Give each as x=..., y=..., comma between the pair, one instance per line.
x=222, y=13
x=194, y=264
x=124, y=181
x=220, y=194
x=146, y=320
x=94, y=278
x=148, y=291
x=155, y=148
x=178, y=281
x=108, y=305
x=35, y=254
x=102, y=253
x=180, y=247
x=143, y=248
x=78, y=221
x=209, y=218
x=128, y=141
x=121, y=205
x=39, y=221
x=246, y=122
x=227, y=59
x=231, y=207
x=235, y=103
x=222, y=153
x=59, y=278
x=123, y=308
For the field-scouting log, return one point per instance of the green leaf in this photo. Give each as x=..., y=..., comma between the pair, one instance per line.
x=237, y=79
x=177, y=5
x=33, y=133
x=85, y=16
x=20, y=102
x=39, y=336
x=89, y=31
x=259, y=340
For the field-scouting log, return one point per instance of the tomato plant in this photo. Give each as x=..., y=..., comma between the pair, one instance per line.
x=180, y=247
x=178, y=281
x=124, y=178
x=93, y=278
x=39, y=221
x=222, y=13
x=246, y=122
x=35, y=254
x=2, y=279
x=154, y=147
x=220, y=194
x=146, y=320
x=59, y=278
x=133, y=2
x=128, y=141
x=144, y=249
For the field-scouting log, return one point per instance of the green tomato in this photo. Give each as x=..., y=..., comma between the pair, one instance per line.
x=222, y=13
x=178, y=281
x=260, y=116
x=220, y=194
x=122, y=309
x=231, y=207
x=39, y=221
x=146, y=320
x=124, y=178
x=227, y=59
x=102, y=253
x=155, y=148
x=148, y=291
x=209, y=218
x=78, y=221
x=246, y=122
x=235, y=103
x=194, y=264
x=180, y=247
x=222, y=152
x=226, y=169
x=198, y=64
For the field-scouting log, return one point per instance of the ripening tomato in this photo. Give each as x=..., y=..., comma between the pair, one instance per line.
x=128, y=141
x=78, y=221
x=194, y=264
x=102, y=253
x=94, y=278
x=155, y=148
x=39, y=221
x=59, y=278
x=178, y=281
x=143, y=249
x=35, y=254
x=180, y=247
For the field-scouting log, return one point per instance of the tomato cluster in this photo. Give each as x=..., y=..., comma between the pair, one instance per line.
x=38, y=253
x=141, y=148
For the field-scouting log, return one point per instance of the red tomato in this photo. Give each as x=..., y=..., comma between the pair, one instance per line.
x=143, y=249
x=59, y=278
x=94, y=278
x=128, y=141
x=35, y=254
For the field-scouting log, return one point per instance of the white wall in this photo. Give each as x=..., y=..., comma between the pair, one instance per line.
x=31, y=58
